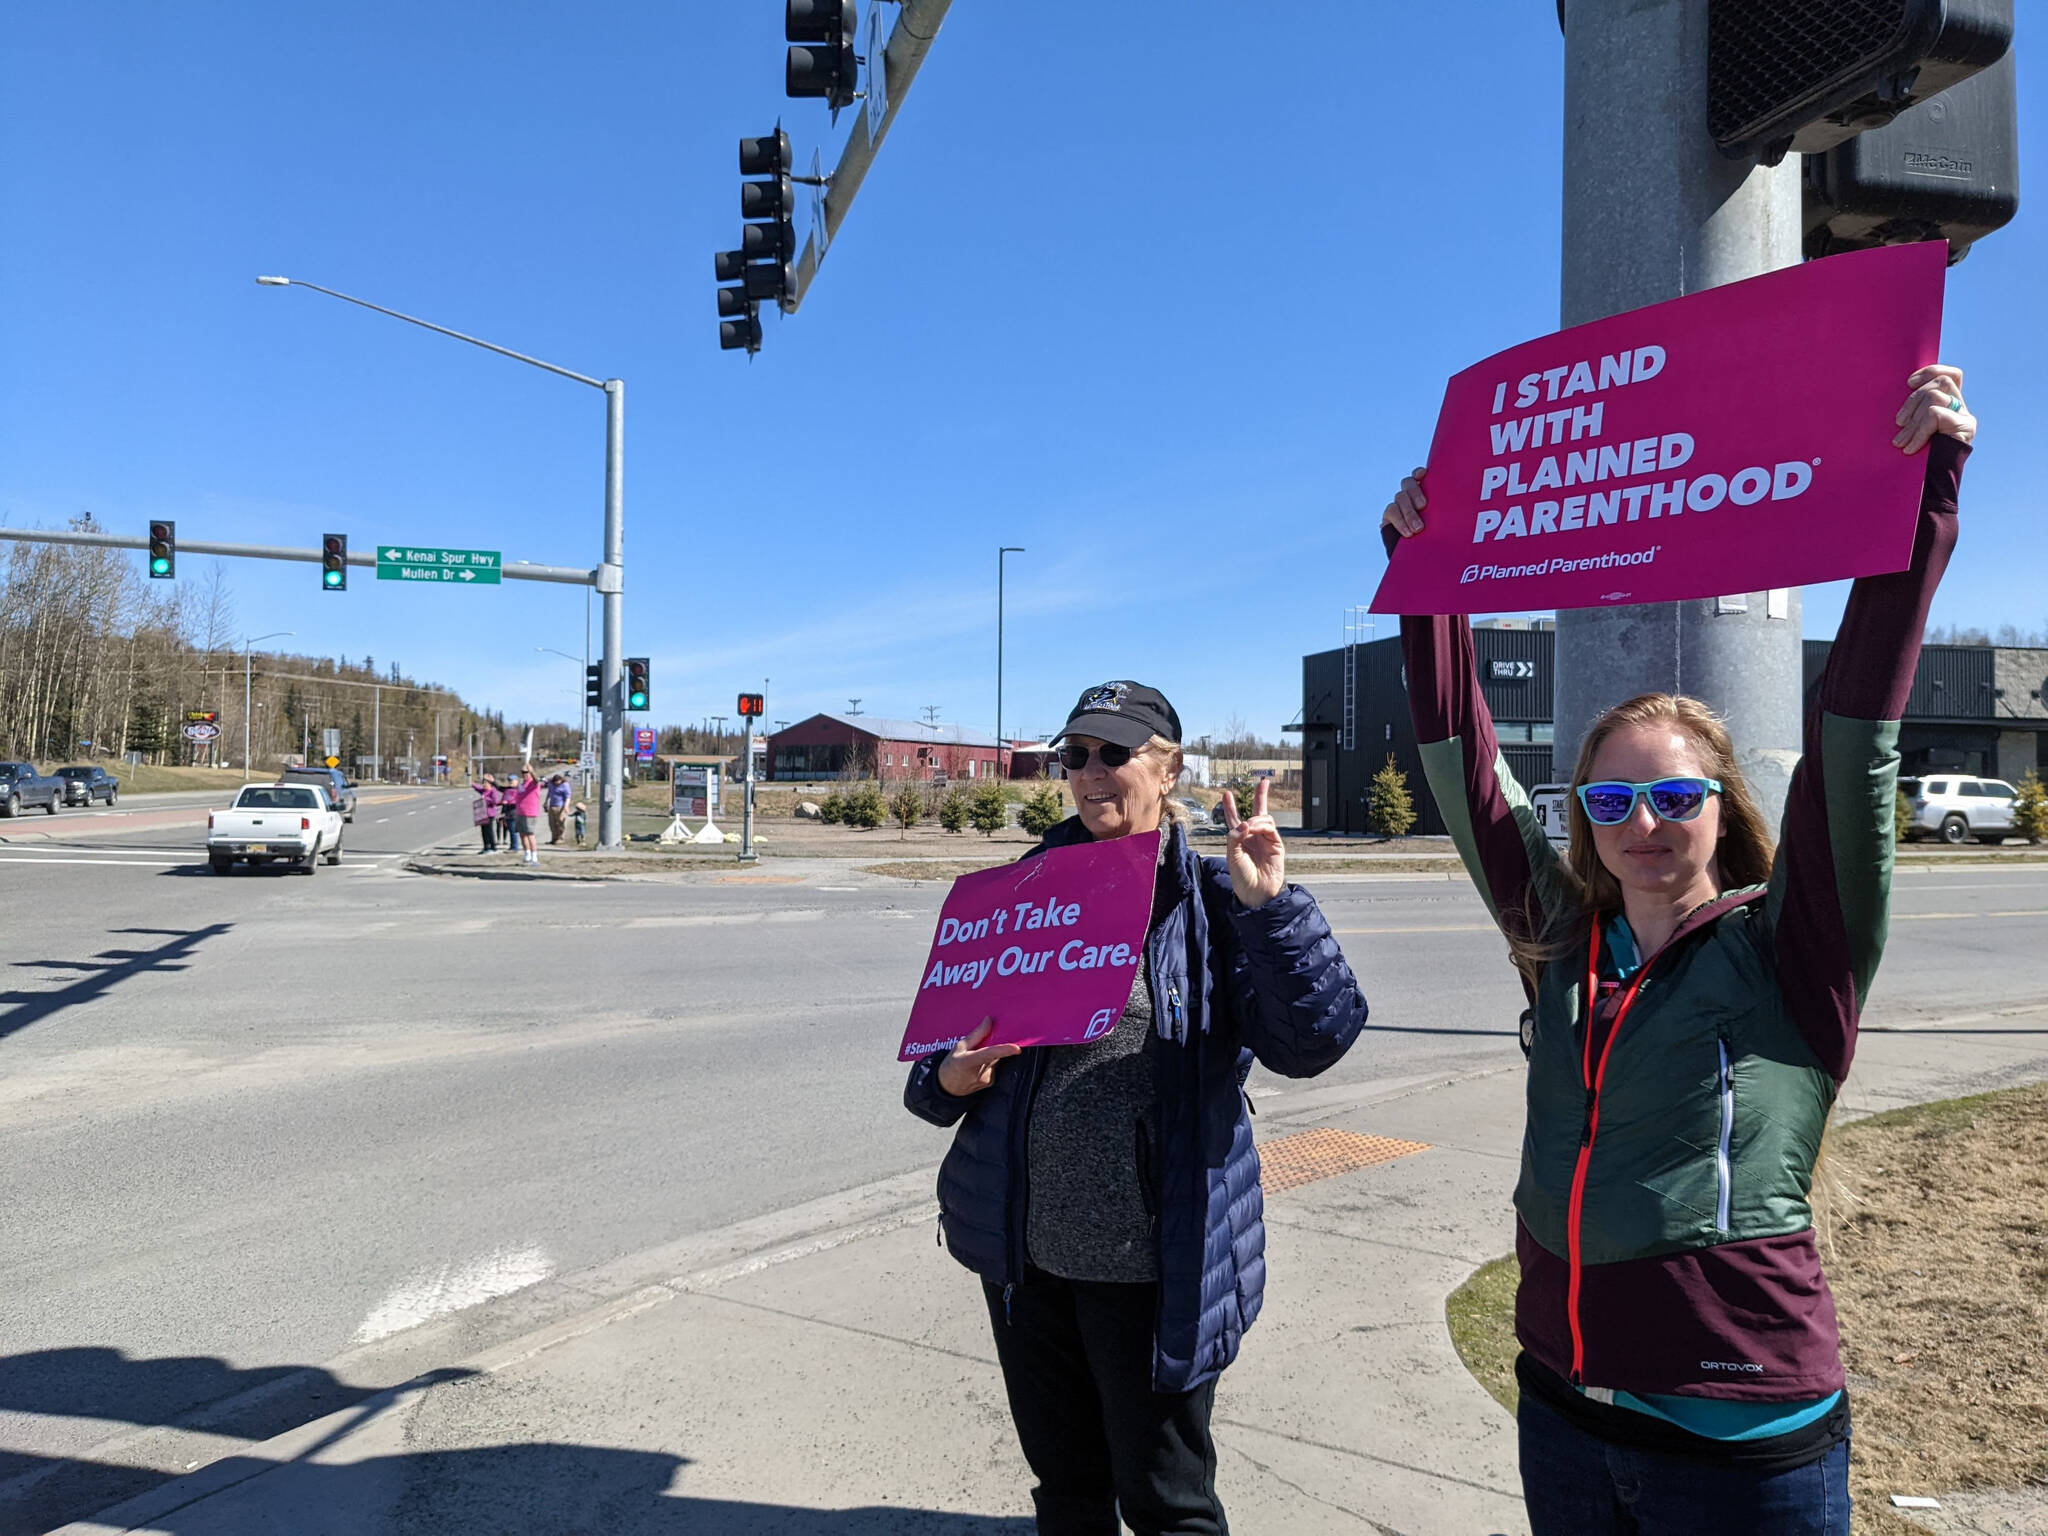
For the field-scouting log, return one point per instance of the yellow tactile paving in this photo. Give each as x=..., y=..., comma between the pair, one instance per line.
x=1287, y=1161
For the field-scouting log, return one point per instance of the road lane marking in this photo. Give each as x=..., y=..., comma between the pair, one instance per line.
x=1425, y=928
x=436, y=1292
x=383, y=818
x=141, y=863
x=1951, y=917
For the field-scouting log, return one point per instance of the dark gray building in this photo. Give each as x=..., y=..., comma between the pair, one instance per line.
x=1975, y=709
x=1354, y=713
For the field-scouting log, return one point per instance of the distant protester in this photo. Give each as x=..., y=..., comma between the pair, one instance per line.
x=1119, y=1288
x=557, y=806
x=1697, y=997
x=526, y=799
x=485, y=811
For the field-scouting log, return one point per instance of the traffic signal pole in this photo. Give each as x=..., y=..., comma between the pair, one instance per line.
x=1652, y=211
x=611, y=587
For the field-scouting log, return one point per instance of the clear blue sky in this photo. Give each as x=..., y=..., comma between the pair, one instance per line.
x=1167, y=297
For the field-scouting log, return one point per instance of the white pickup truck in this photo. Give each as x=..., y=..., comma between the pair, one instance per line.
x=285, y=823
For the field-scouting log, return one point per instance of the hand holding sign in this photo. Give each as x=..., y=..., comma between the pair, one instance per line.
x=1257, y=857
x=970, y=1067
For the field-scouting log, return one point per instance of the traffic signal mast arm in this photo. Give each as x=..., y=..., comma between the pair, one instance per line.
x=917, y=23
x=519, y=571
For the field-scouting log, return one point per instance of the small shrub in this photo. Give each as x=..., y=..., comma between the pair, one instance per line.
x=832, y=807
x=953, y=811
x=2030, y=808
x=1392, y=811
x=988, y=808
x=865, y=807
x=907, y=806
x=1043, y=811
x=1246, y=793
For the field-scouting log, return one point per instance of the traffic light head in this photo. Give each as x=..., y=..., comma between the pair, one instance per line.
x=1807, y=74
x=163, y=549
x=750, y=704
x=741, y=335
x=769, y=156
x=637, y=692
x=826, y=65
x=334, y=562
x=593, y=687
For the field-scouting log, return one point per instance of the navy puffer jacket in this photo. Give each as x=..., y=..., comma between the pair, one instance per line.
x=1238, y=984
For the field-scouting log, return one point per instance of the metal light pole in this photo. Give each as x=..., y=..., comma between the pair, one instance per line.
x=551, y=651
x=609, y=578
x=1652, y=211
x=246, y=645
x=1002, y=760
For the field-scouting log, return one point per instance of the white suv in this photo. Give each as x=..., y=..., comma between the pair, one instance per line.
x=1956, y=807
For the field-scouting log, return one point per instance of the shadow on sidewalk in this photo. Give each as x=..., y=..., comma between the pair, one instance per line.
x=107, y=970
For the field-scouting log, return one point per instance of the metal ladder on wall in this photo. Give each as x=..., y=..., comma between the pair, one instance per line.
x=1358, y=629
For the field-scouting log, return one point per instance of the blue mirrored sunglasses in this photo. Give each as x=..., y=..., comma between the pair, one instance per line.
x=1610, y=802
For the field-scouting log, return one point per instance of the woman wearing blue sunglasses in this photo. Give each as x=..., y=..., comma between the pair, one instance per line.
x=1696, y=994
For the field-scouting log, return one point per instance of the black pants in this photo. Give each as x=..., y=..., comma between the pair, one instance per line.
x=1077, y=1364
x=489, y=829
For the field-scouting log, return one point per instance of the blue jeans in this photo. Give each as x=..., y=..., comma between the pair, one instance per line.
x=1575, y=1484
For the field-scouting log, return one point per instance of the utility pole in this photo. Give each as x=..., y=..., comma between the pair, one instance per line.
x=377, y=730
x=1652, y=211
x=1002, y=764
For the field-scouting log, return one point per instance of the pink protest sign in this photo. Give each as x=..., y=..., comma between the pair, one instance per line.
x=1733, y=440
x=1046, y=947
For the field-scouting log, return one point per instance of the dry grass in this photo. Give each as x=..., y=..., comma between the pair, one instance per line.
x=946, y=869
x=1938, y=1255
x=1936, y=1246
x=148, y=779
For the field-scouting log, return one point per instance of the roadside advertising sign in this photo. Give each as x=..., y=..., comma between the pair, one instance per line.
x=693, y=791
x=1046, y=947
x=201, y=730
x=1735, y=440
x=198, y=715
x=643, y=743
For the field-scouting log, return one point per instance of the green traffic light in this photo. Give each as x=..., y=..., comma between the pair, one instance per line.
x=160, y=566
x=636, y=701
x=334, y=578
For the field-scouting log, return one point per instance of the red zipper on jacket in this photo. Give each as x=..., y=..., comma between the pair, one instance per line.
x=1592, y=1077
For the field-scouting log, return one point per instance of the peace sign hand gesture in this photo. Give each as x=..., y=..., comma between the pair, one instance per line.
x=1257, y=858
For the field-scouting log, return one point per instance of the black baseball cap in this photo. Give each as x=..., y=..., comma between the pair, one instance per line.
x=1127, y=713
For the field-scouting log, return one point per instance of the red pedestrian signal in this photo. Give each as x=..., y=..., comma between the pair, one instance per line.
x=751, y=703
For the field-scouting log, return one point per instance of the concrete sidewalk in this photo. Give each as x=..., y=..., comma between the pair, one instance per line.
x=829, y=1371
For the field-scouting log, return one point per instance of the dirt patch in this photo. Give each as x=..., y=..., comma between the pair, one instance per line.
x=940, y=869
x=1936, y=1243
x=1934, y=1227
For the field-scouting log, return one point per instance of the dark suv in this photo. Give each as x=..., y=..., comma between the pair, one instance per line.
x=340, y=793
x=82, y=786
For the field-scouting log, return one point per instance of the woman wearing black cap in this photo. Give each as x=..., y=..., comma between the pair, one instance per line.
x=1108, y=1193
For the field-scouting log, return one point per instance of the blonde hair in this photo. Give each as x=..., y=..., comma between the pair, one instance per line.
x=1745, y=851
x=1160, y=746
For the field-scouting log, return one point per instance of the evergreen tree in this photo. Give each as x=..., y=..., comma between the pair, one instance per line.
x=1391, y=811
x=988, y=809
x=2030, y=809
x=907, y=806
x=953, y=811
x=1043, y=811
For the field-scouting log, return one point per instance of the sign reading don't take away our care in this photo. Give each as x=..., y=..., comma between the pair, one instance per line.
x=464, y=567
x=1734, y=440
x=1046, y=947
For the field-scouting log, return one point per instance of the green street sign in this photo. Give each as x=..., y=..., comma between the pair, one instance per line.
x=468, y=567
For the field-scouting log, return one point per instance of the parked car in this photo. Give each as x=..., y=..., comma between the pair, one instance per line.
x=21, y=787
x=1956, y=807
x=82, y=786
x=275, y=824
x=340, y=793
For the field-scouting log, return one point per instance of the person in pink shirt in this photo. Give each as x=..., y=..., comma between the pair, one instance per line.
x=526, y=796
x=486, y=811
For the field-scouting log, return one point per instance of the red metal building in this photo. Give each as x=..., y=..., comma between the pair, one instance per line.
x=869, y=746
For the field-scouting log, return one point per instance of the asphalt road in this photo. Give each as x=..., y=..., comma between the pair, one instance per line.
x=249, y=1123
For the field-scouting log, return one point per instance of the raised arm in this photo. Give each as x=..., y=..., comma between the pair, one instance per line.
x=1830, y=894
x=1489, y=816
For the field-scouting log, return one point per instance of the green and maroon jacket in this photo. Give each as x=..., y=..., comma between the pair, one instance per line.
x=1663, y=1229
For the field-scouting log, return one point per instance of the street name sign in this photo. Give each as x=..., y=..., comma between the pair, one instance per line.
x=465, y=567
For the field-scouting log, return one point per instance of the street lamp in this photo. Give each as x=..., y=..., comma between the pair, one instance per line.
x=275, y=634
x=610, y=575
x=1002, y=763
x=551, y=651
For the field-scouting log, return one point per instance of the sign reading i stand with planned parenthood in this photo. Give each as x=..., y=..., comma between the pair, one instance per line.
x=1046, y=947
x=465, y=567
x=1734, y=440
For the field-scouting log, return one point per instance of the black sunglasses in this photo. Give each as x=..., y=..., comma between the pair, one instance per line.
x=1075, y=757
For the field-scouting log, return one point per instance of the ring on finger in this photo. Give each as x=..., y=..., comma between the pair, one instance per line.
x=1955, y=402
